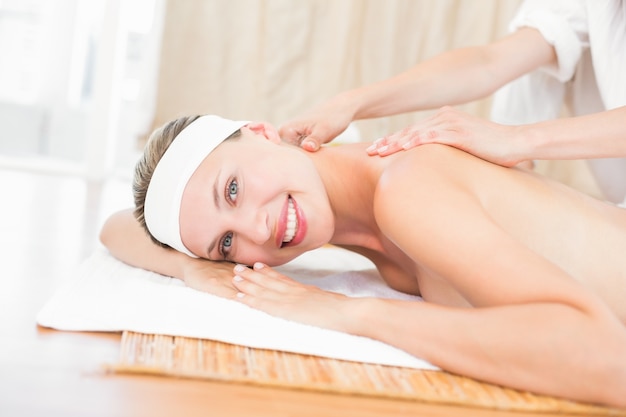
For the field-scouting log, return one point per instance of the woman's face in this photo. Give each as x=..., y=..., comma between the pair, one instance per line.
x=255, y=199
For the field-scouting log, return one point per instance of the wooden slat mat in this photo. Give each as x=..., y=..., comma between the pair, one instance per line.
x=206, y=359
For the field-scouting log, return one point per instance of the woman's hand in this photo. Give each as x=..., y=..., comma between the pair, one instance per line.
x=212, y=277
x=317, y=127
x=493, y=142
x=265, y=289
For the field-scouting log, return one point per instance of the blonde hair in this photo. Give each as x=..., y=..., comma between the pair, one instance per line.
x=158, y=142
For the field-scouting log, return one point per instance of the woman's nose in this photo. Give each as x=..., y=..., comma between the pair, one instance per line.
x=258, y=227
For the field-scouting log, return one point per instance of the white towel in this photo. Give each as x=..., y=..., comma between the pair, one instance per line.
x=105, y=294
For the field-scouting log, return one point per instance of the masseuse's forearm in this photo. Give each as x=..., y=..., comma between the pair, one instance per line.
x=454, y=77
x=599, y=135
x=127, y=241
x=535, y=347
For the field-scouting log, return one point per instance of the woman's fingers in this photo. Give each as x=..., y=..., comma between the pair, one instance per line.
x=267, y=290
x=260, y=279
x=389, y=149
x=431, y=130
x=373, y=148
x=453, y=127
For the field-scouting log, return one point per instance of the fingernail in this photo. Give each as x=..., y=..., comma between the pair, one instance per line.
x=383, y=148
x=239, y=268
x=309, y=145
x=372, y=147
x=237, y=278
x=240, y=295
x=258, y=265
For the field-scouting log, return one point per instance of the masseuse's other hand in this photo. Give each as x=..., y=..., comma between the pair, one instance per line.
x=268, y=290
x=316, y=128
x=493, y=142
x=212, y=277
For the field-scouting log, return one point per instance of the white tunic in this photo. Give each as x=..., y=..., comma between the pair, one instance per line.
x=589, y=37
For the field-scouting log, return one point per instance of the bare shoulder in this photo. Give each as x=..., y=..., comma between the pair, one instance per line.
x=424, y=165
x=429, y=157
x=422, y=176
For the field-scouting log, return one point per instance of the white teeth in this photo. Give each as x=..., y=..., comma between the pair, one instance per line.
x=292, y=223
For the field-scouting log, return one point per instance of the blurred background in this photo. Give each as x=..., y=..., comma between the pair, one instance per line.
x=82, y=82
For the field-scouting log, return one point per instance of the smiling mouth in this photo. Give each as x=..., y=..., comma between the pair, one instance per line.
x=292, y=223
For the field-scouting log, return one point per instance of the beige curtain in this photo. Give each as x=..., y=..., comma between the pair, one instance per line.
x=272, y=59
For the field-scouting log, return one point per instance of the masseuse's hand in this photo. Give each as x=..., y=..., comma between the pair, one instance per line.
x=265, y=289
x=317, y=127
x=493, y=142
x=213, y=277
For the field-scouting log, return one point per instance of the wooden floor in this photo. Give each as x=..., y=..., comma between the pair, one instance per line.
x=48, y=224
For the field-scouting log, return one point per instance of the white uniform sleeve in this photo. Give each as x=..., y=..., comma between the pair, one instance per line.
x=564, y=24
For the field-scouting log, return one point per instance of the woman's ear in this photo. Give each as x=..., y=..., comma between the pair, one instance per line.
x=265, y=129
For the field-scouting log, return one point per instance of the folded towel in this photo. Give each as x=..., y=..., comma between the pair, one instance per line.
x=105, y=294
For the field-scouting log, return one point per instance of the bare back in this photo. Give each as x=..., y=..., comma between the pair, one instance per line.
x=582, y=236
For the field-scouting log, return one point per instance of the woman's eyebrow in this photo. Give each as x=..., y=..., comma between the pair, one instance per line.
x=211, y=246
x=216, y=202
x=216, y=194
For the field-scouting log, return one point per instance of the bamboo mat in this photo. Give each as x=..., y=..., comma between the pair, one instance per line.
x=205, y=359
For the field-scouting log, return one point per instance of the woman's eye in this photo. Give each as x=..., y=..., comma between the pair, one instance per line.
x=227, y=242
x=231, y=192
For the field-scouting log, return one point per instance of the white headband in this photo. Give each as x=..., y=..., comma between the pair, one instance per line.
x=177, y=165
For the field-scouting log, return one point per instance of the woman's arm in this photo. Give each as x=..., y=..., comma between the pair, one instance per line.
x=549, y=348
x=454, y=77
x=126, y=240
x=554, y=348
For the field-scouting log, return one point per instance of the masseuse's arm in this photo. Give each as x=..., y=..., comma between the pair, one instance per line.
x=598, y=135
x=126, y=240
x=454, y=77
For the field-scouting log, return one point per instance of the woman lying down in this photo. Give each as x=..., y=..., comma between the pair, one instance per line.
x=524, y=279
